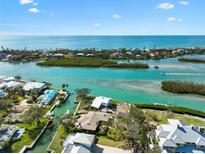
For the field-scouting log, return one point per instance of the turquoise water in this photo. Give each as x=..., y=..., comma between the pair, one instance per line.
x=100, y=42
x=128, y=85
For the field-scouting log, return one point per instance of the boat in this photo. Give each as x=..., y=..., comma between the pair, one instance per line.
x=67, y=112
x=50, y=124
x=58, y=103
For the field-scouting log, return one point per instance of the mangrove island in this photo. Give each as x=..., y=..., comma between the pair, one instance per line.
x=90, y=62
x=180, y=87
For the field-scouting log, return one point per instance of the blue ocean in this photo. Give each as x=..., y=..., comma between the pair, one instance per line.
x=101, y=42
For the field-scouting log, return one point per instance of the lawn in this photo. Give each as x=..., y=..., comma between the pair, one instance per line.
x=23, y=141
x=190, y=120
x=162, y=117
x=103, y=140
x=57, y=143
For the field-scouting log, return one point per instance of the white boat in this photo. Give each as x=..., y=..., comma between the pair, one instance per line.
x=67, y=112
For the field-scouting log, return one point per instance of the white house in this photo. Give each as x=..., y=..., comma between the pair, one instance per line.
x=101, y=101
x=8, y=79
x=11, y=85
x=2, y=78
x=177, y=137
x=80, y=54
x=34, y=87
x=78, y=143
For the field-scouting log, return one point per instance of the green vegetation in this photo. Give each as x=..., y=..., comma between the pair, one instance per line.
x=32, y=131
x=135, y=129
x=24, y=140
x=89, y=62
x=5, y=106
x=189, y=60
x=20, y=99
x=180, y=87
x=56, y=145
x=180, y=110
x=129, y=132
x=161, y=117
x=103, y=140
x=33, y=123
x=67, y=127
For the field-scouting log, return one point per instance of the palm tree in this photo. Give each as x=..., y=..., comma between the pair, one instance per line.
x=63, y=85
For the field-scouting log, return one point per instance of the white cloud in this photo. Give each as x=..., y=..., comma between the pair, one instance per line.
x=116, y=16
x=175, y=19
x=35, y=4
x=97, y=24
x=184, y=3
x=34, y=10
x=171, y=19
x=26, y=1
x=165, y=6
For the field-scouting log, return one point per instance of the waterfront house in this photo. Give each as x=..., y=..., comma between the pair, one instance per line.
x=101, y=101
x=78, y=143
x=177, y=137
x=2, y=78
x=11, y=85
x=48, y=97
x=34, y=87
x=6, y=133
x=123, y=109
x=2, y=55
x=91, y=120
x=2, y=93
x=8, y=79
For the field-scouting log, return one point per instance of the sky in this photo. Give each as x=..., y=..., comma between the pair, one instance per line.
x=102, y=17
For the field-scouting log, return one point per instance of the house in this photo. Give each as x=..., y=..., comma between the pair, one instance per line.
x=2, y=93
x=2, y=78
x=123, y=109
x=90, y=55
x=34, y=87
x=116, y=55
x=2, y=55
x=58, y=55
x=8, y=79
x=48, y=97
x=78, y=143
x=91, y=120
x=6, y=133
x=101, y=101
x=11, y=85
x=80, y=54
x=177, y=137
x=22, y=107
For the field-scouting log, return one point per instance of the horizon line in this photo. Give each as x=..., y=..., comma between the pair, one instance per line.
x=103, y=35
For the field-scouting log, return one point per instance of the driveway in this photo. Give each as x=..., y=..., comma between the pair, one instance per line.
x=97, y=148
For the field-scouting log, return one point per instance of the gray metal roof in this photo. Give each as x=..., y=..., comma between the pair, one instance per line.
x=84, y=138
x=169, y=143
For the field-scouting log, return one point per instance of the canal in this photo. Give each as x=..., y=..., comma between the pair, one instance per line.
x=44, y=141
